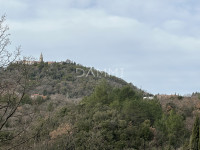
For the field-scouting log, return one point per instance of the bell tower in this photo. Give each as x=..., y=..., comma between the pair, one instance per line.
x=41, y=58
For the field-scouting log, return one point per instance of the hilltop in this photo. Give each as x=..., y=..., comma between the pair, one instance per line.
x=68, y=78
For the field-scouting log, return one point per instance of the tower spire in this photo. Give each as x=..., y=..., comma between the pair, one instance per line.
x=41, y=58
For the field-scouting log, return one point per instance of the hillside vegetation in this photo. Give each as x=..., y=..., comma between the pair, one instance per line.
x=69, y=79
x=90, y=112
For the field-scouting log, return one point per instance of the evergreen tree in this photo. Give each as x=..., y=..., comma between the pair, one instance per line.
x=175, y=128
x=194, y=141
x=146, y=133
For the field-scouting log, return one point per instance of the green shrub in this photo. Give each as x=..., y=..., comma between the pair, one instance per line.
x=50, y=107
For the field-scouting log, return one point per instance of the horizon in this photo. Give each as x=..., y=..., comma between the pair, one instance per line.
x=156, y=42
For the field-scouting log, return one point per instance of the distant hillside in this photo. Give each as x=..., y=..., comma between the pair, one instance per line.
x=68, y=79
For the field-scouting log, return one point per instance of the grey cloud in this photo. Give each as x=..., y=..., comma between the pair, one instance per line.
x=156, y=42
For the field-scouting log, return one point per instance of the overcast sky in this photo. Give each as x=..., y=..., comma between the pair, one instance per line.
x=155, y=42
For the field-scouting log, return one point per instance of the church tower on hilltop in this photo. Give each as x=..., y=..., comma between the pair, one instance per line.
x=41, y=58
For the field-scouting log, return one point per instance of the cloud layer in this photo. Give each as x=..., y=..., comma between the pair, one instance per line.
x=157, y=43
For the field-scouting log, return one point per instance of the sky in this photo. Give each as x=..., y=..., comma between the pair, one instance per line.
x=153, y=44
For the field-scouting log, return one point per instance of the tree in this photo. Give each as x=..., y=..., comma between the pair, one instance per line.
x=194, y=140
x=175, y=128
x=14, y=84
x=172, y=126
x=6, y=57
x=146, y=133
x=8, y=80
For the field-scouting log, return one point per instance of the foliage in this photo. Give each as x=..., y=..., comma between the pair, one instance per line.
x=110, y=118
x=113, y=116
x=62, y=78
x=50, y=107
x=26, y=99
x=39, y=100
x=195, y=140
x=172, y=126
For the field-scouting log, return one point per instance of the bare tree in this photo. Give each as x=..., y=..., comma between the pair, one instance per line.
x=14, y=84
x=6, y=57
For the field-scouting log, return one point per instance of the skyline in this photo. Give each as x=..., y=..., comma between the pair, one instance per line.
x=157, y=43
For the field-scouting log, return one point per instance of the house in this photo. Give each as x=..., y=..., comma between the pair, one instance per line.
x=149, y=98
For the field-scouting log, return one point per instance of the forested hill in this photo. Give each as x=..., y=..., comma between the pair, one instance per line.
x=111, y=114
x=69, y=79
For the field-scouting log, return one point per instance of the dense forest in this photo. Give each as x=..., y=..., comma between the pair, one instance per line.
x=93, y=113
